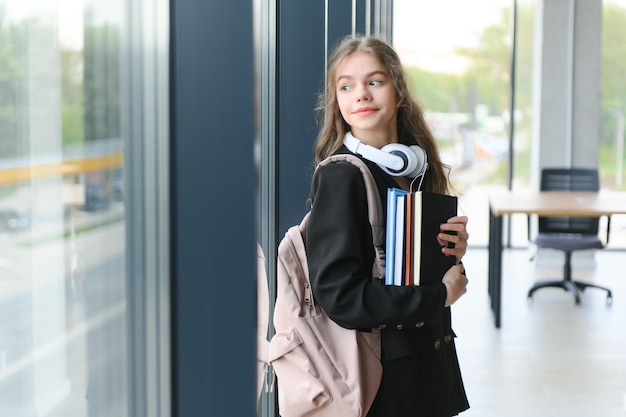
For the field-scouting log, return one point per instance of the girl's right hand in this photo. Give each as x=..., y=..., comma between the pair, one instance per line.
x=456, y=283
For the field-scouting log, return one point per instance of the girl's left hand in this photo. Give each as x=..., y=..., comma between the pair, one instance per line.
x=458, y=225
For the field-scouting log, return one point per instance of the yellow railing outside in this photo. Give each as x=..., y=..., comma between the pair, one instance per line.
x=16, y=175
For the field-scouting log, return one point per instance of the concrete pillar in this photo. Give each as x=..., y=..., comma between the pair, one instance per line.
x=566, y=89
x=566, y=94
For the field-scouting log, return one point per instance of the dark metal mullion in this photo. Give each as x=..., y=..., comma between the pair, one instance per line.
x=213, y=232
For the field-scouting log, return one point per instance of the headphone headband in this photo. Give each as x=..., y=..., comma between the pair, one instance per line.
x=373, y=154
x=396, y=159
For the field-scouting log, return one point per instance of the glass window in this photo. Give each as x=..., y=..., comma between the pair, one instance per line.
x=265, y=146
x=65, y=294
x=613, y=94
x=458, y=55
x=612, y=154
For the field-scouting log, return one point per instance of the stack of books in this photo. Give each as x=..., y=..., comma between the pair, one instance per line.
x=413, y=248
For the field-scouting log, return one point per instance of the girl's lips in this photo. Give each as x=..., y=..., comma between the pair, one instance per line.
x=364, y=111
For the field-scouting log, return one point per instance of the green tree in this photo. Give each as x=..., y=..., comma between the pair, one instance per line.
x=613, y=90
x=12, y=86
x=613, y=56
x=439, y=92
x=490, y=65
x=102, y=82
x=72, y=96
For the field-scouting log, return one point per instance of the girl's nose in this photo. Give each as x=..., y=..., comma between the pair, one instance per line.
x=363, y=94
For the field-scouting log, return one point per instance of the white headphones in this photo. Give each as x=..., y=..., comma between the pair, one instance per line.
x=395, y=159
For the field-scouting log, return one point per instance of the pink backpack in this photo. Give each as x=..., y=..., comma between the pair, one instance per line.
x=322, y=369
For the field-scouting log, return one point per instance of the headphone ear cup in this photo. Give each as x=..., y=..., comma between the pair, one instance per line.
x=422, y=161
x=414, y=159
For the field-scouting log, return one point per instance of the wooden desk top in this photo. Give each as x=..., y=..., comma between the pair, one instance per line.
x=557, y=203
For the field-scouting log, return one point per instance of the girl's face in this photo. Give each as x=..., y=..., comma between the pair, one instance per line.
x=367, y=99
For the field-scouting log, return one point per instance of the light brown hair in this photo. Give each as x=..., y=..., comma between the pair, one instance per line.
x=412, y=127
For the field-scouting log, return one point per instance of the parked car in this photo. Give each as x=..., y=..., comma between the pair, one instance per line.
x=12, y=220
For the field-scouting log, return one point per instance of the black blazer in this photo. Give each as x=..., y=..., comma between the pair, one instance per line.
x=340, y=255
x=413, y=320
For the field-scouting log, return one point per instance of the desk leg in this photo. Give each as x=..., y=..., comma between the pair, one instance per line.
x=495, y=265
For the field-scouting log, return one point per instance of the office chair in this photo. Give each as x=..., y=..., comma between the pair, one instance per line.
x=569, y=234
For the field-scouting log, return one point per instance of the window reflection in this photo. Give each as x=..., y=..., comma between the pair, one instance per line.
x=63, y=348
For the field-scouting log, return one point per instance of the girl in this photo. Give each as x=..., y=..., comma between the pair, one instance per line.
x=367, y=97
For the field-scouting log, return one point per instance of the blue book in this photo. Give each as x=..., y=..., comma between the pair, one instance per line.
x=390, y=249
x=399, y=247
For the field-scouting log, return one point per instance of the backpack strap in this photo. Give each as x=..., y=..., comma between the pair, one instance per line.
x=374, y=209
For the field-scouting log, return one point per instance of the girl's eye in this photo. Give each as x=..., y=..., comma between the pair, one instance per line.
x=376, y=82
x=345, y=87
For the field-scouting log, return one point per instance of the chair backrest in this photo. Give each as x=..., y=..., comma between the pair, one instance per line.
x=569, y=179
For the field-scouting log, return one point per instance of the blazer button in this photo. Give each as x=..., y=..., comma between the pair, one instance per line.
x=447, y=338
x=420, y=324
x=399, y=327
x=437, y=344
x=382, y=326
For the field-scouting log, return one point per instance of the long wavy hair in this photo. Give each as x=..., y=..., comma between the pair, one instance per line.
x=412, y=127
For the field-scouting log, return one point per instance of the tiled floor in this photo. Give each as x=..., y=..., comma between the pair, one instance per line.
x=550, y=358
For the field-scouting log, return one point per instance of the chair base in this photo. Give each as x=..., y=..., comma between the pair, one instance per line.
x=575, y=287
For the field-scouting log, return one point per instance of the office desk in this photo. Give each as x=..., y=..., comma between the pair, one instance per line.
x=542, y=203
